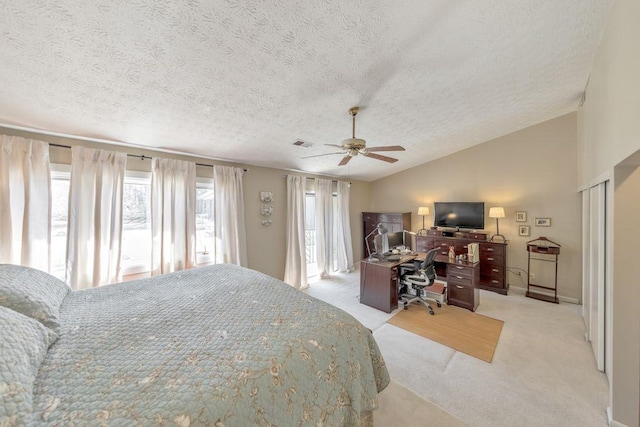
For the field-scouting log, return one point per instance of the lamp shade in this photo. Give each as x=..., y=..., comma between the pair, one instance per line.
x=423, y=210
x=496, y=212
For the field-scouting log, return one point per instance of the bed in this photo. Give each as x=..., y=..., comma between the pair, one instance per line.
x=219, y=345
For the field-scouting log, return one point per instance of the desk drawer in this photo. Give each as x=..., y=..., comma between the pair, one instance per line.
x=458, y=279
x=461, y=296
x=455, y=270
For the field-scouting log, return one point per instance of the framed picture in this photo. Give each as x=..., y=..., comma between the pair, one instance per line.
x=543, y=222
x=266, y=196
x=521, y=216
x=524, y=230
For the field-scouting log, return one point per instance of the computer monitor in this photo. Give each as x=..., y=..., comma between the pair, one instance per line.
x=395, y=239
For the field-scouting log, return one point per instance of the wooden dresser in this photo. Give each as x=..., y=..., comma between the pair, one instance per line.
x=392, y=221
x=493, y=256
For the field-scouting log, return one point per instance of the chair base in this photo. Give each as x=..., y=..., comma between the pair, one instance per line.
x=408, y=299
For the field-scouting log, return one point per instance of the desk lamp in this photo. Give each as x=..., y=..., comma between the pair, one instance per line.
x=423, y=211
x=497, y=213
x=381, y=229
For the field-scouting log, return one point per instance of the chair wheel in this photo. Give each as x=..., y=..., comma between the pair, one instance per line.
x=406, y=306
x=431, y=312
x=439, y=305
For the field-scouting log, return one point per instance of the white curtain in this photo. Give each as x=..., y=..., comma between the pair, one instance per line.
x=25, y=202
x=228, y=198
x=95, y=217
x=295, y=272
x=324, y=226
x=173, y=207
x=344, y=247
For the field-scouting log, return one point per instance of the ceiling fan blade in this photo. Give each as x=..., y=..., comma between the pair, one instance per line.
x=386, y=148
x=379, y=157
x=334, y=145
x=325, y=154
x=344, y=160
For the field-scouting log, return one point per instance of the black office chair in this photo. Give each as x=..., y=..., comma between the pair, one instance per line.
x=426, y=276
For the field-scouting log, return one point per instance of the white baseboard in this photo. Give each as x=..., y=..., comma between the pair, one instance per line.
x=523, y=291
x=617, y=424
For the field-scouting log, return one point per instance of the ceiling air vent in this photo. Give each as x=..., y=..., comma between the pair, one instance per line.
x=301, y=143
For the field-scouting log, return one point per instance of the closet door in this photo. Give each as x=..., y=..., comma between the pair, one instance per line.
x=597, y=273
x=586, y=260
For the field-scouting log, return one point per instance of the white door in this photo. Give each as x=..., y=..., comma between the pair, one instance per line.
x=586, y=260
x=597, y=273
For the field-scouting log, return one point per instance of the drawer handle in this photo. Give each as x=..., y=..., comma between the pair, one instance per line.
x=459, y=287
x=459, y=268
x=489, y=259
x=490, y=249
x=458, y=277
x=496, y=270
x=494, y=281
x=465, y=247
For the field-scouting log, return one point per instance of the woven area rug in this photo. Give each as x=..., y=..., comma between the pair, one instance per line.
x=460, y=329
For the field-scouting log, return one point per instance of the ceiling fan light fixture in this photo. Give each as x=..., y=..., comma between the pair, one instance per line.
x=354, y=143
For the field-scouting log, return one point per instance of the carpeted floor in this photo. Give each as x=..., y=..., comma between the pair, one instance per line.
x=543, y=372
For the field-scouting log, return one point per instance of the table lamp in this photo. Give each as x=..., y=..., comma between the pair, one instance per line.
x=381, y=229
x=423, y=211
x=497, y=213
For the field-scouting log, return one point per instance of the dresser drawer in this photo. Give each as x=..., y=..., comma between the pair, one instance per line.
x=424, y=244
x=478, y=236
x=491, y=258
x=492, y=249
x=493, y=282
x=494, y=270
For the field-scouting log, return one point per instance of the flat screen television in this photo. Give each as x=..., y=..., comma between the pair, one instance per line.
x=459, y=215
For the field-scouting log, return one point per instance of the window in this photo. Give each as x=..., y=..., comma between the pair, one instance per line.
x=204, y=221
x=137, y=238
x=60, y=175
x=310, y=233
x=136, y=223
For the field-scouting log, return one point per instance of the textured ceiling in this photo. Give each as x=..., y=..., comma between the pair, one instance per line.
x=241, y=80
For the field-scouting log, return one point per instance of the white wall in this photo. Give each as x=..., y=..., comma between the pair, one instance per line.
x=532, y=170
x=609, y=135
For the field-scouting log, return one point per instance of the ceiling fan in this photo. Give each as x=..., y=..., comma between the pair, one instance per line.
x=354, y=146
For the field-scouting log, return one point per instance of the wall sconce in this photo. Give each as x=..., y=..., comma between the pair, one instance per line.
x=497, y=213
x=423, y=211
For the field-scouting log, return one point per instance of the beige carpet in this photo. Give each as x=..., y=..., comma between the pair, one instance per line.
x=458, y=328
x=400, y=406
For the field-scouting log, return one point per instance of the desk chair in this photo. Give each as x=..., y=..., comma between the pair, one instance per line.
x=425, y=278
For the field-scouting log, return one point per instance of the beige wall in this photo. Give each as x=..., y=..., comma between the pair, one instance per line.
x=532, y=170
x=265, y=245
x=609, y=135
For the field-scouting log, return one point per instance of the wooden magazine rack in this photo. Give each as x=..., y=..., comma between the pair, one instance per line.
x=542, y=250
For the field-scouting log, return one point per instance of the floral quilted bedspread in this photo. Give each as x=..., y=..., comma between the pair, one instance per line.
x=219, y=345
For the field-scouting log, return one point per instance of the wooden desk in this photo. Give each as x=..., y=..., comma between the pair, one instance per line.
x=379, y=282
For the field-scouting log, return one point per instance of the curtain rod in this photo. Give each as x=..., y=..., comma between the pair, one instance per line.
x=137, y=156
x=309, y=177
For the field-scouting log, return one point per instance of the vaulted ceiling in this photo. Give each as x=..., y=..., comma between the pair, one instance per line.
x=242, y=80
